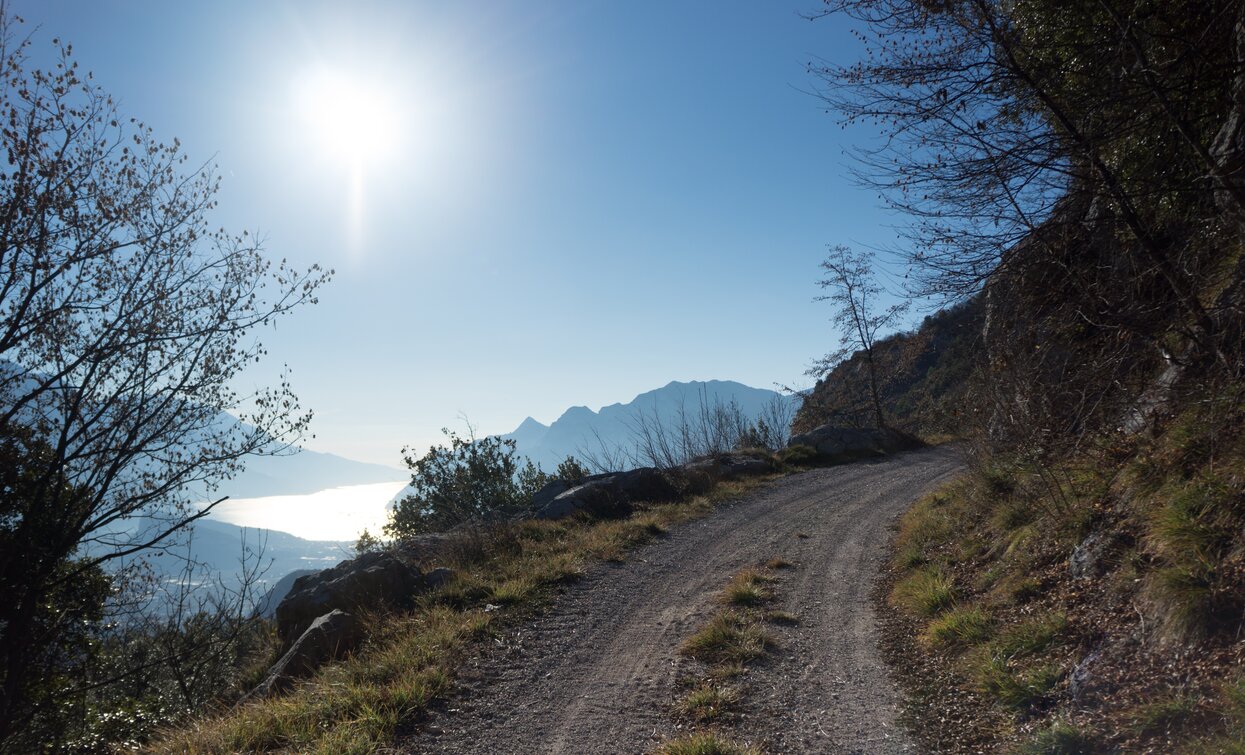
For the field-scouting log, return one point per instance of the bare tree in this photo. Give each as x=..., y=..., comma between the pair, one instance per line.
x=855, y=295
x=125, y=318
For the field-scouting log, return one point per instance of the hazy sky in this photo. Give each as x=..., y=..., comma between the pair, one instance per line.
x=544, y=204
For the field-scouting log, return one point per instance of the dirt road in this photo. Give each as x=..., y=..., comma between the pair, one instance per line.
x=599, y=672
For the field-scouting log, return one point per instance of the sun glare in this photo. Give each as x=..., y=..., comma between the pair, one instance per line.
x=348, y=118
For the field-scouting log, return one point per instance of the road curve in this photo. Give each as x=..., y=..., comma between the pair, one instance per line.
x=598, y=672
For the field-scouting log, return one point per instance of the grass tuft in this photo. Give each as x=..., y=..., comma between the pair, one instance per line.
x=706, y=743
x=959, y=628
x=708, y=702
x=925, y=592
x=747, y=589
x=729, y=637
x=1029, y=637
x=1060, y=739
x=1013, y=689
x=1163, y=716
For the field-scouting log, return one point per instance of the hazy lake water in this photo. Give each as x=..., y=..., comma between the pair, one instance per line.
x=333, y=514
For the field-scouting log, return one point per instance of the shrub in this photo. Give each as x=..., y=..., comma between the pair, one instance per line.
x=470, y=480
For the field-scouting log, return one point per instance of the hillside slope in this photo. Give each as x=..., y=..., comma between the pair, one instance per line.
x=925, y=376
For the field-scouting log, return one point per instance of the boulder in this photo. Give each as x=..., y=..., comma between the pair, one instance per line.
x=610, y=495
x=830, y=441
x=422, y=549
x=728, y=466
x=328, y=638
x=545, y=495
x=371, y=579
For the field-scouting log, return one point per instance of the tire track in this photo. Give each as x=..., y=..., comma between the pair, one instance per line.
x=598, y=672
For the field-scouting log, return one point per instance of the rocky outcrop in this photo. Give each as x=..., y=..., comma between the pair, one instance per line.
x=832, y=442
x=605, y=496
x=371, y=579
x=615, y=494
x=328, y=638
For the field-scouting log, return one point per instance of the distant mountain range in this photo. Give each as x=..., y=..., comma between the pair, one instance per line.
x=581, y=431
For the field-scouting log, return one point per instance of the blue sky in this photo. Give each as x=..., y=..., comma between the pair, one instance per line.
x=573, y=202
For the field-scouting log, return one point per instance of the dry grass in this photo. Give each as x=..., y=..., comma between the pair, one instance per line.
x=747, y=589
x=709, y=702
x=409, y=660
x=706, y=743
x=730, y=637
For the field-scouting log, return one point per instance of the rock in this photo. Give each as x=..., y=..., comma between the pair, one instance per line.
x=422, y=549
x=328, y=638
x=545, y=495
x=371, y=579
x=438, y=578
x=267, y=605
x=830, y=441
x=1081, y=676
x=733, y=465
x=610, y=495
x=1090, y=557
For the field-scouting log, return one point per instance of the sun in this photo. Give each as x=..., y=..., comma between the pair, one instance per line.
x=348, y=117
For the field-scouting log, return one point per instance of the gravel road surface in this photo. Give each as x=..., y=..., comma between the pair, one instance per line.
x=599, y=672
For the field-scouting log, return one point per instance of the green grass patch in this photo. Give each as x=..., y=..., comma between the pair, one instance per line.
x=1018, y=690
x=1029, y=637
x=708, y=702
x=1163, y=716
x=925, y=592
x=706, y=743
x=729, y=637
x=959, y=628
x=1061, y=738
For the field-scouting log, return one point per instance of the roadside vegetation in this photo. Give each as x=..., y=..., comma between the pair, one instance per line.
x=1096, y=604
x=1071, y=178
x=503, y=574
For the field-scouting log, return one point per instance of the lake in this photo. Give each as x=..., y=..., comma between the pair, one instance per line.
x=333, y=514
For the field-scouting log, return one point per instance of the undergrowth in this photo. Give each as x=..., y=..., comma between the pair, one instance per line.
x=1019, y=574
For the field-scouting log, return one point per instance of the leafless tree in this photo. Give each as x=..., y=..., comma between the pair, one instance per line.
x=855, y=296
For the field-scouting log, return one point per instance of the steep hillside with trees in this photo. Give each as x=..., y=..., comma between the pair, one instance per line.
x=1077, y=172
x=923, y=378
